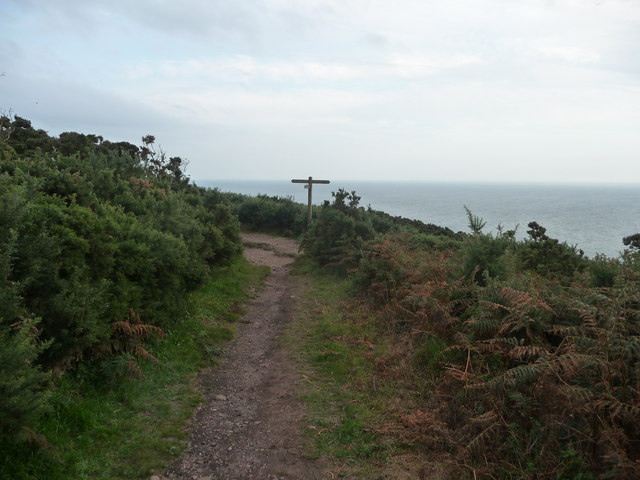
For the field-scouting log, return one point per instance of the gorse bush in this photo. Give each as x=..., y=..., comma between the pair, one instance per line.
x=91, y=230
x=338, y=235
x=23, y=383
x=548, y=256
x=604, y=271
x=279, y=215
x=484, y=257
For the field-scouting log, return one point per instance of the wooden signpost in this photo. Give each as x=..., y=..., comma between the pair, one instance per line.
x=309, y=185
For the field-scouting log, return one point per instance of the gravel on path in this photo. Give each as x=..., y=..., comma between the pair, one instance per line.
x=249, y=426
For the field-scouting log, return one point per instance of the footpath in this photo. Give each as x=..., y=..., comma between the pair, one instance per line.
x=249, y=426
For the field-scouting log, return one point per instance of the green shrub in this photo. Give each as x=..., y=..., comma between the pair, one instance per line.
x=90, y=229
x=22, y=382
x=383, y=270
x=548, y=256
x=337, y=234
x=484, y=257
x=603, y=271
x=270, y=214
x=332, y=237
x=425, y=241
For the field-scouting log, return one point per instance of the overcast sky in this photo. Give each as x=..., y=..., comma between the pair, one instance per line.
x=438, y=90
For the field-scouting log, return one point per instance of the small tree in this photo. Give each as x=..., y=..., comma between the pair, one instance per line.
x=476, y=224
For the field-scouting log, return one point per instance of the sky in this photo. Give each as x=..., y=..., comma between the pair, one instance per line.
x=421, y=90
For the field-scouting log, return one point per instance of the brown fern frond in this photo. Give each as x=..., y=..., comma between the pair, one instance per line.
x=517, y=376
x=585, y=344
x=486, y=347
x=570, y=364
x=137, y=331
x=508, y=341
x=123, y=327
x=127, y=337
x=141, y=352
x=576, y=394
x=486, y=417
x=481, y=441
x=615, y=450
x=564, y=330
x=517, y=298
x=523, y=301
x=144, y=331
x=459, y=338
x=617, y=410
x=455, y=348
x=494, y=305
x=523, y=352
x=589, y=319
x=484, y=325
x=509, y=326
x=632, y=349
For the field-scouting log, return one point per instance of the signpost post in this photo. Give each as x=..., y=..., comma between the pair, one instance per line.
x=309, y=185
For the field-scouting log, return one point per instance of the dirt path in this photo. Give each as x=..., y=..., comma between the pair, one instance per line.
x=249, y=425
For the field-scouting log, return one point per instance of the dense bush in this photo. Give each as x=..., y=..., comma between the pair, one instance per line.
x=604, y=271
x=337, y=234
x=383, y=222
x=280, y=215
x=484, y=257
x=523, y=358
x=91, y=231
x=548, y=256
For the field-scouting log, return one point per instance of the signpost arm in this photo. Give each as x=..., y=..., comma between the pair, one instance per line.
x=309, y=184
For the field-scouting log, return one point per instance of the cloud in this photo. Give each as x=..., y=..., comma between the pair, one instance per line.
x=266, y=109
x=377, y=40
x=245, y=68
x=57, y=105
x=359, y=82
x=426, y=65
x=570, y=54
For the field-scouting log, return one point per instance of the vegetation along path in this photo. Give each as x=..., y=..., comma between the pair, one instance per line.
x=249, y=425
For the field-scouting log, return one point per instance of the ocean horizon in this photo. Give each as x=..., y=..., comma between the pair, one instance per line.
x=593, y=217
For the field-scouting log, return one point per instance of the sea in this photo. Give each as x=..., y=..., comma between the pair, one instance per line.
x=593, y=217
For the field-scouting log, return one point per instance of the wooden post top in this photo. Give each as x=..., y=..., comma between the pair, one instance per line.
x=308, y=180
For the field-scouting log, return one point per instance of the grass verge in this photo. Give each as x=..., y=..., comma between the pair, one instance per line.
x=348, y=401
x=105, y=424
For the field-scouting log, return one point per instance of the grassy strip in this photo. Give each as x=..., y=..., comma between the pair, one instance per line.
x=347, y=401
x=105, y=424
